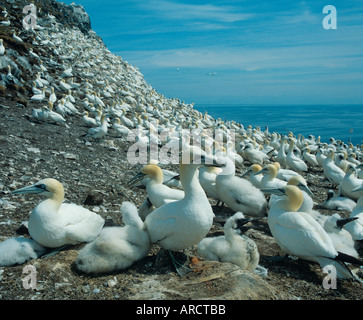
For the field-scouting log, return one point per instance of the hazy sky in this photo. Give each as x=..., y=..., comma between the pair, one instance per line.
x=238, y=51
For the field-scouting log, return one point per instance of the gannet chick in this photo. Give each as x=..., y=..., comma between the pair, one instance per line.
x=339, y=203
x=356, y=227
x=19, y=250
x=292, y=161
x=157, y=192
x=331, y=171
x=116, y=248
x=53, y=223
x=181, y=224
x=232, y=247
x=351, y=182
x=239, y=194
x=254, y=178
x=298, y=234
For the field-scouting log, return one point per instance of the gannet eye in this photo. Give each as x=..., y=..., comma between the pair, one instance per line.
x=41, y=186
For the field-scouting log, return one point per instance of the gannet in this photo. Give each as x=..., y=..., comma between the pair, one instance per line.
x=116, y=248
x=88, y=121
x=292, y=161
x=285, y=174
x=53, y=223
x=19, y=250
x=351, y=182
x=52, y=97
x=232, y=246
x=2, y=48
x=39, y=97
x=56, y=117
x=331, y=171
x=253, y=155
x=254, y=179
x=270, y=179
x=356, y=227
x=207, y=179
x=17, y=38
x=298, y=234
x=238, y=193
x=98, y=132
x=309, y=157
x=119, y=128
x=158, y=193
x=281, y=155
x=339, y=203
x=180, y=224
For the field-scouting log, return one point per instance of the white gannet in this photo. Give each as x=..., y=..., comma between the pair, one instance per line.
x=285, y=174
x=292, y=161
x=39, y=97
x=300, y=235
x=351, y=182
x=88, y=121
x=270, y=179
x=207, y=179
x=238, y=193
x=19, y=250
x=356, y=227
x=253, y=155
x=98, y=132
x=339, y=203
x=309, y=157
x=232, y=246
x=281, y=155
x=116, y=248
x=119, y=128
x=331, y=171
x=158, y=193
x=52, y=97
x=254, y=178
x=56, y=117
x=53, y=223
x=2, y=48
x=181, y=224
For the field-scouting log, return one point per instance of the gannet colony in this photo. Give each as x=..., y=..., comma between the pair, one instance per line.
x=77, y=121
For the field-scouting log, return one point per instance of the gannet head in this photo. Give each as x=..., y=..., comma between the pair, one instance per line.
x=254, y=168
x=50, y=188
x=294, y=194
x=269, y=169
x=300, y=182
x=351, y=169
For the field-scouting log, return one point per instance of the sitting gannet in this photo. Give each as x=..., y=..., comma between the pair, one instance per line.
x=2, y=48
x=294, y=162
x=351, y=182
x=331, y=171
x=270, y=179
x=356, y=227
x=254, y=178
x=19, y=250
x=181, y=224
x=339, y=203
x=232, y=247
x=53, y=223
x=98, y=132
x=116, y=248
x=207, y=179
x=300, y=235
x=157, y=192
x=255, y=156
x=238, y=193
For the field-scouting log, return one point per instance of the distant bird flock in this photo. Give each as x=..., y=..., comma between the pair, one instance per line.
x=93, y=88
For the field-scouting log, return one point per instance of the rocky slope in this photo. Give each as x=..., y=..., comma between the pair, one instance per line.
x=94, y=173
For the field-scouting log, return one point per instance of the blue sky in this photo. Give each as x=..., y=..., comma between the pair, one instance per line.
x=238, y=51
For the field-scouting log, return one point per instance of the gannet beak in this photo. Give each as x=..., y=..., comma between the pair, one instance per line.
x=306, y=189
x=136, y=178
x=241, y=222
x=246, y=173
x=342, y=222
x=36, y=188
x=358, y=189
x=264, y=170
x=279, y=192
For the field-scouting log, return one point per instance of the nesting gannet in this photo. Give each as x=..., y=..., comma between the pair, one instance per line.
x=238, y=193
x=292, y=161
x=88, y=121
x=39, y=97
x=56, y=117
x=116, y=248
x=180, y=224
x=19, y=250
x=298, y=234
x=285, y=174
x=331, y=171
x=270, y=179
x=356, y=227
x=339, y=203
x=207, y=179
x=53, y=223
x=309, y=157
x=119, y=128
x=157, y=192
x=52, y=97
x=351, y=182
x=98, y=132
x=232, y=246
x=254, y=178
x=281, y=155
x=253, y=155
x=2, y=48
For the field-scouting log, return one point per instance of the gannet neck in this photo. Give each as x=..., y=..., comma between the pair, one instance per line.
x=189, y=179
x=295, y=198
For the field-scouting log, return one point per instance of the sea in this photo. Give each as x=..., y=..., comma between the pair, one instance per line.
x=342, y=122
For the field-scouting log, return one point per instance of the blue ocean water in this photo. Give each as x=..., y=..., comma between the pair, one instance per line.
x=340, y=122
